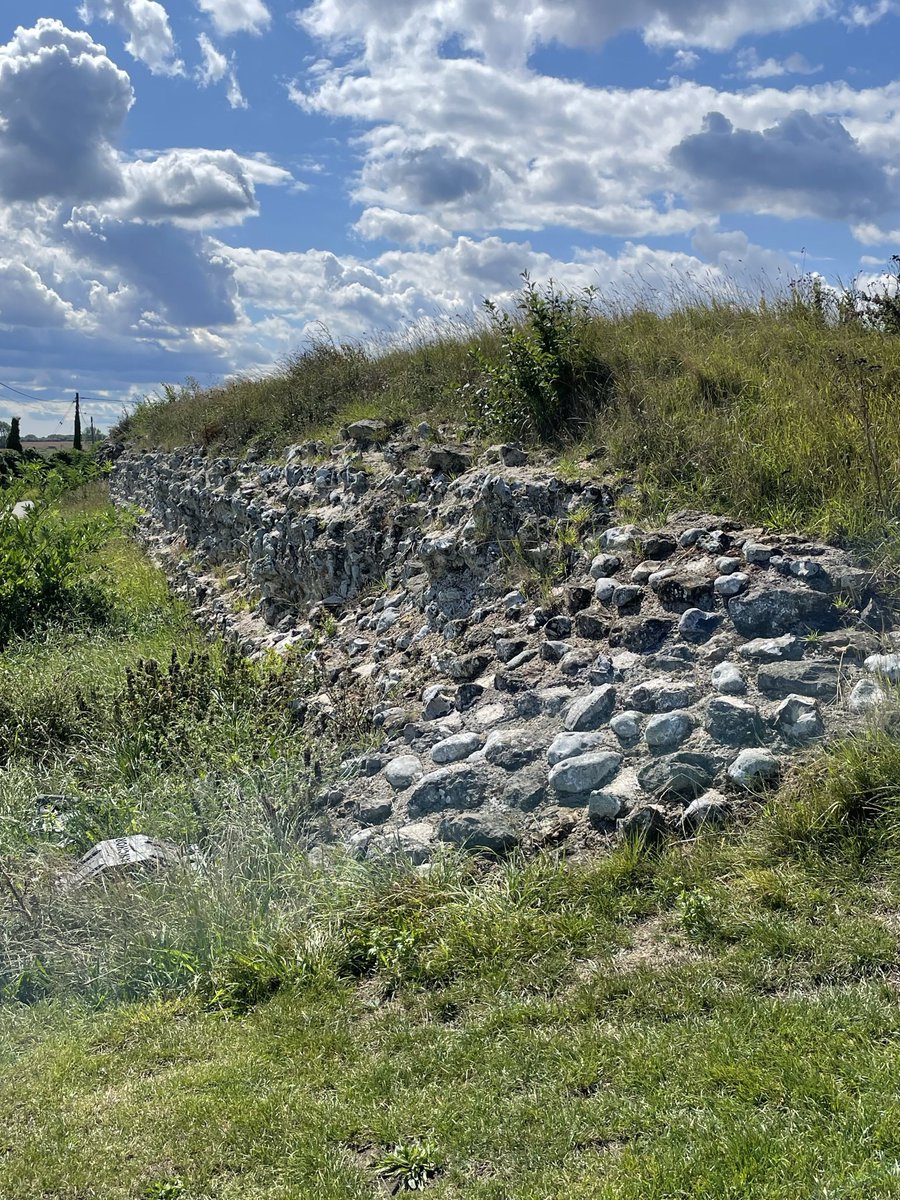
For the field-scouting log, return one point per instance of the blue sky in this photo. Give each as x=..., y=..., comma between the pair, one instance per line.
x=193, y=188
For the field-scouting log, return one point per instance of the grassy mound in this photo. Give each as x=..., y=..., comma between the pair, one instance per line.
x=780, y=411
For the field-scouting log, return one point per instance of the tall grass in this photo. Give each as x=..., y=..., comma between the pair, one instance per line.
x=779, y=410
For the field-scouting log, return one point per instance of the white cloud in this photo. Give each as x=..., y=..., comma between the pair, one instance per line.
x=146, y=22
x=405, y=229
x=504, y=33
x=63, y=103
x=237, y=16
x=864, y=15
x=752, y=67
x=26, y=300
x=217, y=66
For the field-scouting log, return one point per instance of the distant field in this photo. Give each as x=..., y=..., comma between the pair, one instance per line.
x=48, y=445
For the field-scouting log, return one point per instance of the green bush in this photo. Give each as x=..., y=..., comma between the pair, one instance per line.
x=46, y=570
x=545, y=378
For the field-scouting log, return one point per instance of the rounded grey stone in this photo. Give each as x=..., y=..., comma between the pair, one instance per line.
x=727, y=678
x=661, y=695
x=591, y=711
x=668, y=730
x=866, y=695
x=586, y=773
x=455, y=748
x=797, y=719
x=885, y=665
x=683, y=775
x=753, y=769
x=697, y=624
x=626, y=725
x=734, y=723
x=730, y=585
x=571, y=745
x=605, y=589
x=401, y=773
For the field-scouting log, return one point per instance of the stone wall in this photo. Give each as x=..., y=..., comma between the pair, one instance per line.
x=541, y=669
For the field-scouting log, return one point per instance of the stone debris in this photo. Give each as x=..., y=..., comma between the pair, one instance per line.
x=535, y=678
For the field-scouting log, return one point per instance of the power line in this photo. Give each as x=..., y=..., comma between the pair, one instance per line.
x=28, y=396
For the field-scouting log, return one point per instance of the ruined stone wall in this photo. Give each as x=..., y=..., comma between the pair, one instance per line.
x=542, y=670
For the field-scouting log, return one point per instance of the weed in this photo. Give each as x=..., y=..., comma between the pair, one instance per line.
x=410, y=1166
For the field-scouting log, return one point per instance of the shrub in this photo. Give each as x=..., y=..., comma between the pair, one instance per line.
x=544, y=377
x=45, y=558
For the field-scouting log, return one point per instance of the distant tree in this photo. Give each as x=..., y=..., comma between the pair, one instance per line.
x=4, y=432
x=13, y=440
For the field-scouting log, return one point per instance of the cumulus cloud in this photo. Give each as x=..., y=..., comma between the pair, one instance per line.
x=215, y=67
x=804, y=163
x=179, y=272
x=437, y=175
x=63, y=103
x=146, y=22
x=506, y=33
x=26, y=300
x=237, y=16
x=405, y=229
x=193, y=188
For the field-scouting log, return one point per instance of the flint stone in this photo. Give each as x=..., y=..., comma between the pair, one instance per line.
x=510, y=749
x=521, y=659
x=668, y=730
x=734, y=723
x=753, y=769
x=683, y=775
x=640, y=635
x=374, y=812
x=508, y=648
x=578, y=597
x=604, y=565
x=512, y=456
x=711, y=808
x=885, y=665
x=554, y=699
x=659, y=545
x=525, y=790
x=683, y=587
x=620, y=537
x=586, y=773
x=494, y=829
x=572, y=745
x=626, y=726
x=412, y=841
x=401, y=773
x=469, y=666
x=865, y=696
x=460, y=786
x=767, y=611
x=605, y=589
x=490, y=714
x=778, y=649
x=591, y=627
x=455, y=748
x=727, y=565
x=697, y=624
x=757, y=553
x=575, y=661
x=437, y=702
x=558, y=627
x=605, y=804
x=367, y=431
x=731, y=585
x=816, y=679
x=798, y=719
x=468, y=694
x=649, y=822
x=627, y=594
x=591, y=711
x=727, y=678
x=552, y=652
x=661, y=695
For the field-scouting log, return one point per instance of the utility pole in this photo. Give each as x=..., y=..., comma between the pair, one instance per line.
x=76, y=441
x=93, y=435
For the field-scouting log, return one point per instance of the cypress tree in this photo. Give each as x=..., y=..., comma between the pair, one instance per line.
x=13, y=440
x=76, y=440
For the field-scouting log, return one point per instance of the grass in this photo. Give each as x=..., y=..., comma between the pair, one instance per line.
x=715, y=1018
x=777, y=410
